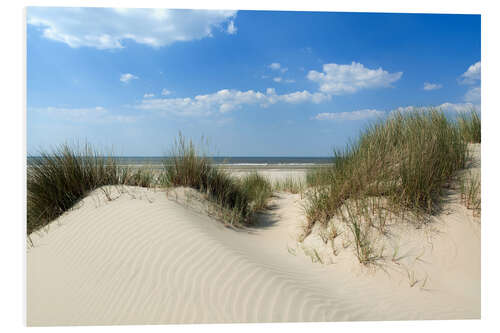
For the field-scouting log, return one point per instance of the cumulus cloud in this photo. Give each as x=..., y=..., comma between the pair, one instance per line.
x=432, y=86
x=226, y=100
x=459, y=107
x=473, y=74
x=352, y=115
x=405, y=108
x=275, y=66
x=125, y=78
x=345, y=79
x=108, y=28
x=93, y=114
x=165, y=92
x=231, y=28
x=304, y=96
x=149, y=95
x=277, y=79
x=473, y=95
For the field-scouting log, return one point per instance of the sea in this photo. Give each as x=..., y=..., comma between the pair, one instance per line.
x=234, y=160
x=228, y=161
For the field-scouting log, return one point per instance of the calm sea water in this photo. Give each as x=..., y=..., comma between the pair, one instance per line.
x=230, y=160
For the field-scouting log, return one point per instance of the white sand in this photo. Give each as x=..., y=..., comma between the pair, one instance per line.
x=143, y=258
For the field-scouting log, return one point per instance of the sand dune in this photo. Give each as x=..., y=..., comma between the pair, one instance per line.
x=145, y=258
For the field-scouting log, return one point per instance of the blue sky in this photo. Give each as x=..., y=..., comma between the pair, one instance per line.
x=253, y=83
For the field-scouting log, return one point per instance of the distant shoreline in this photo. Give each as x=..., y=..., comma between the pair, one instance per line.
x=235, y=163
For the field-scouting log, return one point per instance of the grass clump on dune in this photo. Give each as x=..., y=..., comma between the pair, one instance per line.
x=470, y=126
x=407, y=160
x=470, y=192
x=143, y=177
x=239, y=199
x=258, y=190
x=318, y=176
x=58, y=179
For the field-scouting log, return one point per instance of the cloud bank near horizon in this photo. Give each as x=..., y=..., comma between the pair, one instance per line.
x=335, y=80
x=373, y=113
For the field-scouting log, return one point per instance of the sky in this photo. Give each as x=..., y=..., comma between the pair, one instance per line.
x=252, y=83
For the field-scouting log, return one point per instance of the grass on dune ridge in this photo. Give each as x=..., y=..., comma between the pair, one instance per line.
x=397, y=168
x=238, y=198
x=58, y=179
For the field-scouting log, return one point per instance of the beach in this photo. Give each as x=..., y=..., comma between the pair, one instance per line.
x=150, y=256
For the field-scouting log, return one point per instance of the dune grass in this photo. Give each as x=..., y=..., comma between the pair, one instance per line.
x=258, y=189
x=143, y=177
x=470, y=192
x=407, y=160
x=289, y=184
x=319, y=176
x=239, y=199
x=58, y=179
x=470, y=126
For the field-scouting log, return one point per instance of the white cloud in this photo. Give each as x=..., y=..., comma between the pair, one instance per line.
x=304, y=96
x=226, y=100
x=459, y=107
x=373, y=113
x=432, y=86
x=405, y=108
x=231, y=29
x=289, y=81
x=108, y=28
x=473, y=74
x=277, y=79
x=445, y=107
x=275, y=66
x=473, y=95
x=165, y=92
x=344, y=79
x=125, y=78
x=352, y=115
x=149, y=95
x=95, y=114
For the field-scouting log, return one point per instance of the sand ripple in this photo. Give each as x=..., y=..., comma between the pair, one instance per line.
x=145, y=259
